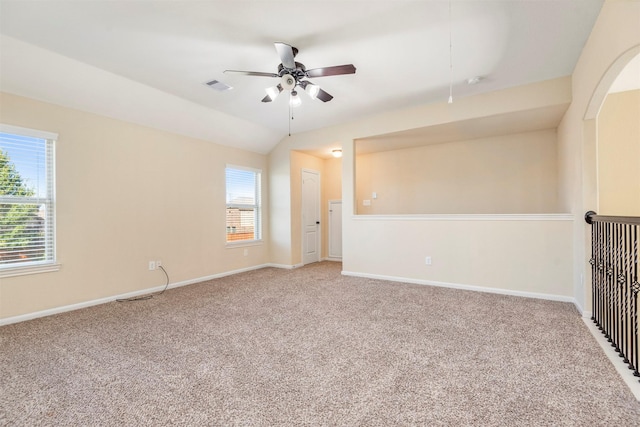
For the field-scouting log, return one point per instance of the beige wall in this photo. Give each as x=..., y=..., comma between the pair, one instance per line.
x=497, y=175
x=518, y=254
x=619, y=155
x=127, y=194
x=614, y=41
x=280, y=203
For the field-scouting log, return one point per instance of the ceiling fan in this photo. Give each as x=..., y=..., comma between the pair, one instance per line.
x=292, y=75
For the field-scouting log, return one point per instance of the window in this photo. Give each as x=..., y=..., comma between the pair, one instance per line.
x=244, y=213
x=26, y=200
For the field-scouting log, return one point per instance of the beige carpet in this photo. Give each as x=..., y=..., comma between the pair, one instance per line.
x=309, y=347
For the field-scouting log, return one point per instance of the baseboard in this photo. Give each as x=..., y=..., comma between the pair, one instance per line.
x=623, y=370
x=85, y=304
x=285, y=266
x=584, y=313
x=71, y=307
x=332, y=259
x=551, y=297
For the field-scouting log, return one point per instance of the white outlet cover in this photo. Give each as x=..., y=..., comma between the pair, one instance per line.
x=366, y=203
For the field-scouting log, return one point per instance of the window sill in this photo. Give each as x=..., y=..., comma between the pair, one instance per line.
x=28, y=269
x=243, y=243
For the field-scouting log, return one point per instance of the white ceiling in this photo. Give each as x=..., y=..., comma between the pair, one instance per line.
x=166, y=50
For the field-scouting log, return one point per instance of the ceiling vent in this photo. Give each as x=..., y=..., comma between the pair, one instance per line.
x=219, y=86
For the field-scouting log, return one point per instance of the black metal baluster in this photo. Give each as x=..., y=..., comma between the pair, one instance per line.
x=626, y=294
x=607, y=278
x=619, y=283
x=634, y=313
x=599, y=277
x=612, y=284
x=600, y=274
x=634, y=302
x=595, y=289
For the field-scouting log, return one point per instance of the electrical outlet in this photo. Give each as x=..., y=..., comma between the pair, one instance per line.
x=427, y=260
x=158, y=263
x=152, y=265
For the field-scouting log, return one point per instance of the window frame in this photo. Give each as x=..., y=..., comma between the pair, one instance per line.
x=49, y=200
x=257, y=207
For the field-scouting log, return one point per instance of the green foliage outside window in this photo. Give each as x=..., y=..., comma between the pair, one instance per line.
x=20, y=225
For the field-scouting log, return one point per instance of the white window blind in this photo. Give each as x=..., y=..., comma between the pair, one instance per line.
x=244, y=213
x=26, y=197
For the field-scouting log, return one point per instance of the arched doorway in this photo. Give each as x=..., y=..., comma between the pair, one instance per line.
x=590, y=187
x=618, y=145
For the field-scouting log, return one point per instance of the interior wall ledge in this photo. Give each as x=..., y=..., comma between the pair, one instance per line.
x=467, y=217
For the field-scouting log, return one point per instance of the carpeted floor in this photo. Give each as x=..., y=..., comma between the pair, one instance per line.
x=309, y=347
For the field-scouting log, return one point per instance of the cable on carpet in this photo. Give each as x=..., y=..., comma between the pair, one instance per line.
x=146, y=297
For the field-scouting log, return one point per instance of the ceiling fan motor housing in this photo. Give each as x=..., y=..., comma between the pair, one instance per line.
x=290, y=77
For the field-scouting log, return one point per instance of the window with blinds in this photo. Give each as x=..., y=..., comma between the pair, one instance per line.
x=244, y=214
x=26, y=197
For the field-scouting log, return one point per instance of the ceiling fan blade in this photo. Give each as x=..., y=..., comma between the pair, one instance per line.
x=331, y=71
x=323, y=96
x=252, y=73
x=286, y=54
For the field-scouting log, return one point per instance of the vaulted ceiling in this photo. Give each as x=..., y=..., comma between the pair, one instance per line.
x=147, y=61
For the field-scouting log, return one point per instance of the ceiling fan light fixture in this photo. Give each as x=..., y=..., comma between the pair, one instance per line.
x=273, y=92
x=312, y=90
x=288, y=82
x=295, y=100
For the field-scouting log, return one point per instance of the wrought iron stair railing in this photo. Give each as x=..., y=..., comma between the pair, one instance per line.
x=615, y=284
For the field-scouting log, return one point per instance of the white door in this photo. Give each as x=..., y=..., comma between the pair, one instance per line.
x=310, y=216
x=335, y=229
